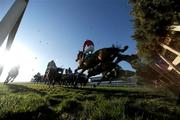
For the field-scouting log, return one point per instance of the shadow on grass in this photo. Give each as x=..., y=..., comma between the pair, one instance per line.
x=42, y=113
x=158, y=113
x=23, y=89
x=108, y=93
x=103, y=90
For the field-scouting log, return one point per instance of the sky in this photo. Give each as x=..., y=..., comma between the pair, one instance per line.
x=57, y=29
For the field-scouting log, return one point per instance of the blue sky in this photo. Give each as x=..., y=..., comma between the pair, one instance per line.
x=56, y=29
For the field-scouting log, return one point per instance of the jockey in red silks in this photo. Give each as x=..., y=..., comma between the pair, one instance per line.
x=88, y=48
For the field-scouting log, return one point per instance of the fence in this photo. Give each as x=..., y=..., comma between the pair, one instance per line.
x=169, y=72
x=172, y=65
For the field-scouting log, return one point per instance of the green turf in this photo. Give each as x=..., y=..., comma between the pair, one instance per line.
x=39, y=102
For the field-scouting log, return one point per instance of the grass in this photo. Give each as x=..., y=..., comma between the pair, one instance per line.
x=39, y=102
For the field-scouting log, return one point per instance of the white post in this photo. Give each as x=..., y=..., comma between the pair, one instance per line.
x=176, y=61
x=175, y=28
x=170, y=49
x=170, y=64
x=10, y=23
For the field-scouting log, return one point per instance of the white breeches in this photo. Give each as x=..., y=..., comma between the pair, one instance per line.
x=89, y=49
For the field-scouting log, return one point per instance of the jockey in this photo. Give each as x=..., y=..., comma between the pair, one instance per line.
x=51, y=65
x=88, y=48
x=69, y=71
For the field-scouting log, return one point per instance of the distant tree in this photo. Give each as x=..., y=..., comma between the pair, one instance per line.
x=152, y=19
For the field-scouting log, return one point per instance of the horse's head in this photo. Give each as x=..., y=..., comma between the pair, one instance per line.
x=116, y=47
x=80, y=56
x=123, y=49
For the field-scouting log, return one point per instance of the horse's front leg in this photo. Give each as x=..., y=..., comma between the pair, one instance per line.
x=99, y=82
x=53, y=83
x=119, y=58
x=110, y=80
x=12, y=79
x=49, y=83
x=76, y=70
x=82, y=71
x=7, y=79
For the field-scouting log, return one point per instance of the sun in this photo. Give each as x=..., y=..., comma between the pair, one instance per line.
x=21, y=55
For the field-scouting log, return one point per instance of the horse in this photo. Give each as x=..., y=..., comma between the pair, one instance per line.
x=101, y=68
x=52, y=76
x=38, y=78
x=100, y=56
x=12, y=74
x=109, y=70
x=82, y=79
x=68, y=79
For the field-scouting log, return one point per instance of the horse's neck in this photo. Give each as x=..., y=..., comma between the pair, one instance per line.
x=81, y=60
x=83, y=55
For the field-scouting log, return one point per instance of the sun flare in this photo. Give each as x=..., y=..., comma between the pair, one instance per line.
x=18, y=55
